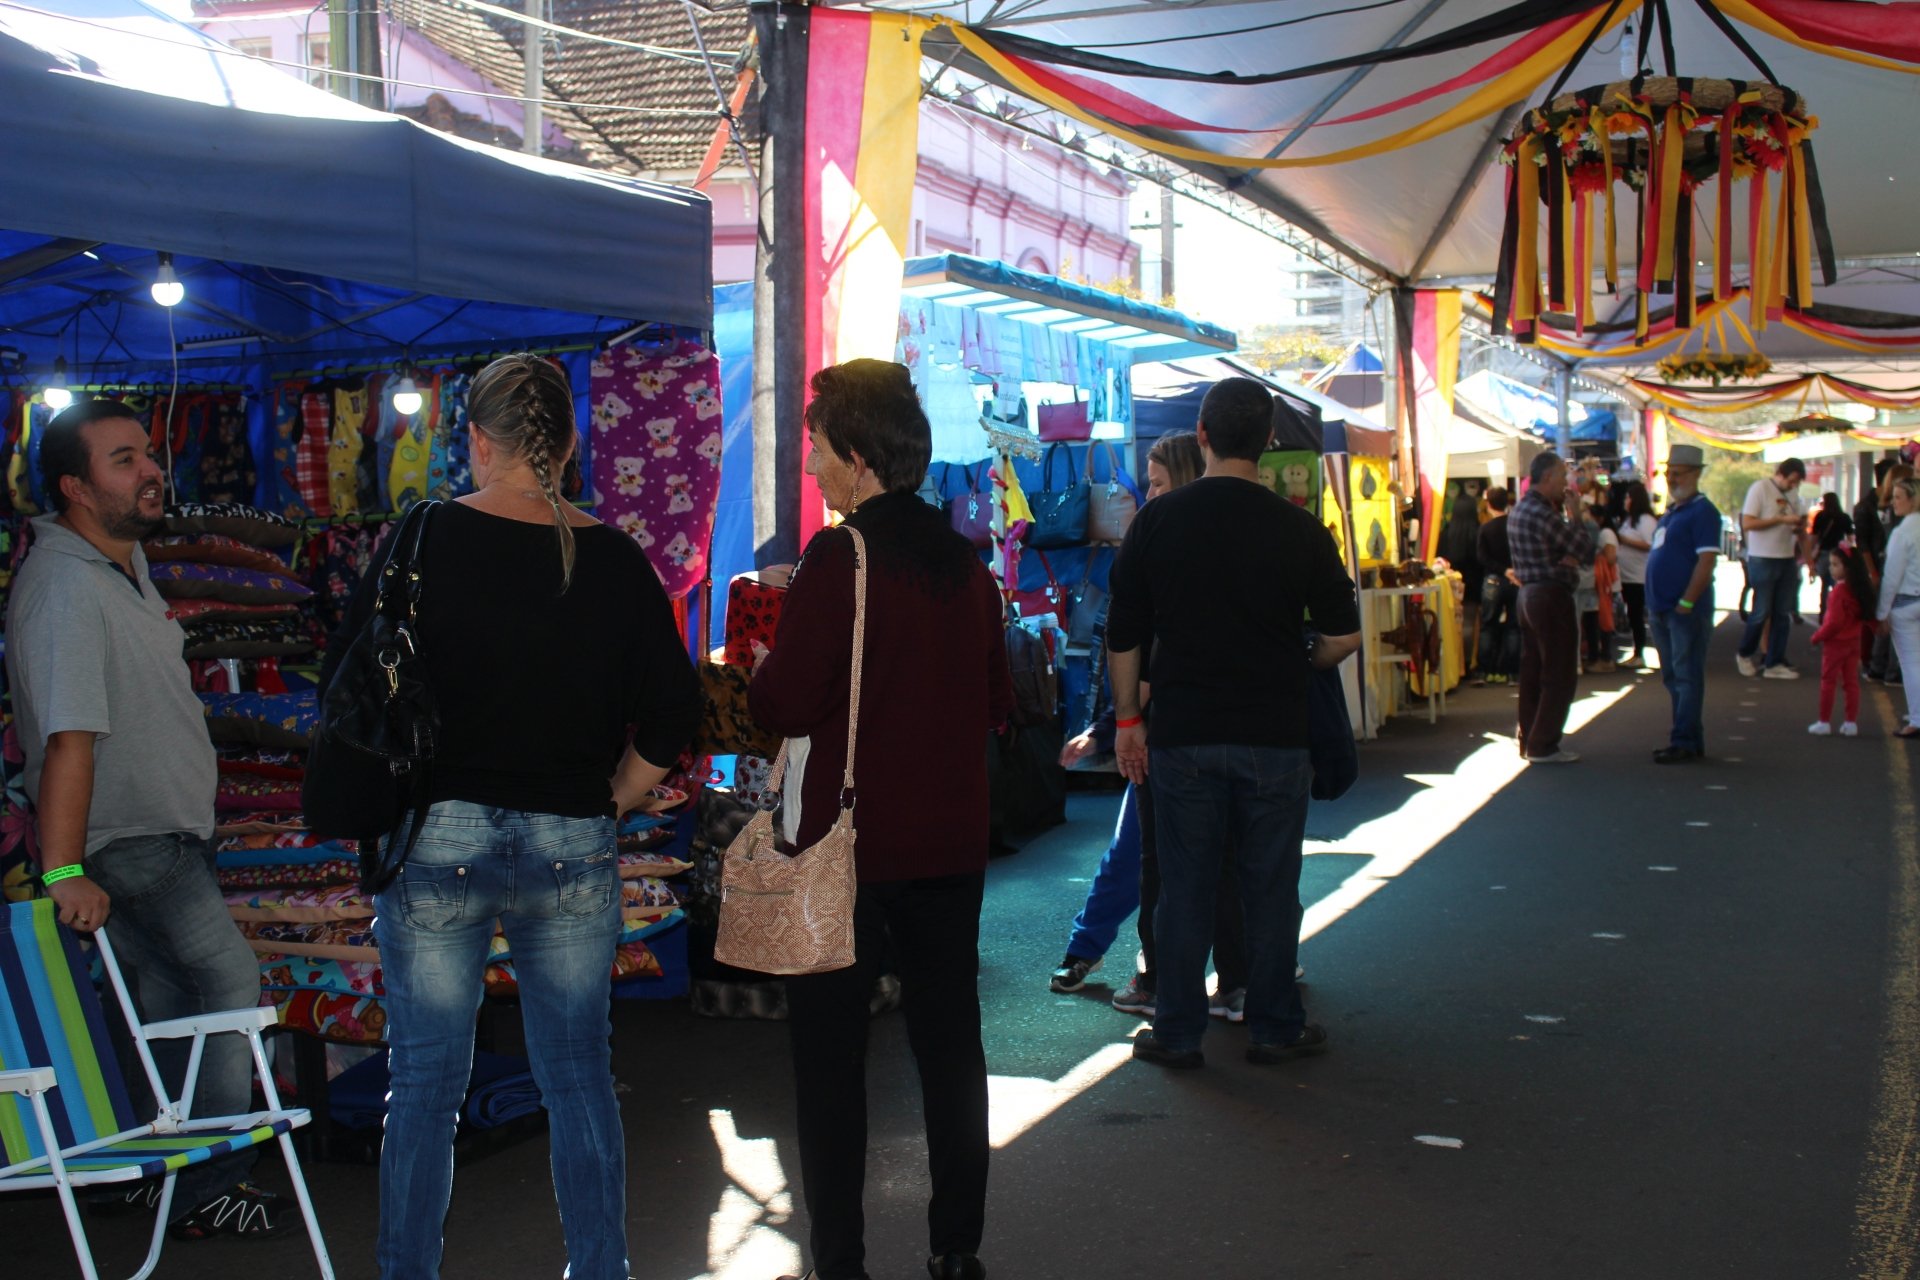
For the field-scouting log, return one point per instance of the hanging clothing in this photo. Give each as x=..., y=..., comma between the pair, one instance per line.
x=407, y=479
x=343, y=455
x=312, y=449
x=656, y=452
x=288, y=424
x=227, y=473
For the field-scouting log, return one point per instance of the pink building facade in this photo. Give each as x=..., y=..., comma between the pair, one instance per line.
x=982, y=188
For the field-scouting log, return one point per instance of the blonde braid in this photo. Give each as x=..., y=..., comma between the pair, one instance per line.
x=542, y=442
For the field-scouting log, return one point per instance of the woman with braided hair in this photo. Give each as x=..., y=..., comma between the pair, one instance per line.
x=564, y=696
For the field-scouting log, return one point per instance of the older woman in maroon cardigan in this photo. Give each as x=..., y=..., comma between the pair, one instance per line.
x=935, y=684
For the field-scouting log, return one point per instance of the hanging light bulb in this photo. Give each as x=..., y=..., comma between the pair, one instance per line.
x=406, y=396
x=167, y=289
x=55, y=394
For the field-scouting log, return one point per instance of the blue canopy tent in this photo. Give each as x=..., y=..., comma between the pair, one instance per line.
x=304, y=228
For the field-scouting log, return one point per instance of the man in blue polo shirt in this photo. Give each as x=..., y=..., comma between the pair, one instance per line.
x=1680, y=599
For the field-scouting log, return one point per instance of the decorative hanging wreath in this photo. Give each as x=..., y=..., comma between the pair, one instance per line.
x=1717, y=367
x=1663, y=138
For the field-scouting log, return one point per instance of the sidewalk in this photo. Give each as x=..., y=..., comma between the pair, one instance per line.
x=1649, y=1004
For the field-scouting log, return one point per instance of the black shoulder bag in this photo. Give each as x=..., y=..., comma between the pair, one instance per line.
x=373, y=749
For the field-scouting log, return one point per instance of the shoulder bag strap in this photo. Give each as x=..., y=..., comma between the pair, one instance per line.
x=1117, y=474
x=847, y=795
x=1046, y=467
x=777, y=778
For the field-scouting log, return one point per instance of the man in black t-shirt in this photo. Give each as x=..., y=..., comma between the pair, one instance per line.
x=1499, y=656
x=1222, y=575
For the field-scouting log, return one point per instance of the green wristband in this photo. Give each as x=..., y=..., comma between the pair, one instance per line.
x=58, y=874
x=1686, y=606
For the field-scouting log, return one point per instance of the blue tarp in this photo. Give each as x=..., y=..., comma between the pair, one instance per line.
x=293, y=211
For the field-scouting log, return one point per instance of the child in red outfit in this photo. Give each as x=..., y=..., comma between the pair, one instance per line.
x=1843, y=629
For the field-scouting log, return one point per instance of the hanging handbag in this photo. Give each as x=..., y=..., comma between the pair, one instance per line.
x=971, y=514
x=1059, y=515
x=793, y=913
x=373, y=748
x=1047, y=599
x=1087, y=605
x=1112, y=506
x=1065, y=421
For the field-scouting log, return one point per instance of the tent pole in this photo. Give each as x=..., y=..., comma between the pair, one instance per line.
x=533, y=82
x=1563, y=432
x=779, y=298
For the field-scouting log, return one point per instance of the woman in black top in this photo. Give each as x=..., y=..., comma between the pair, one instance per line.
x=564, y=696
x=1831, y=527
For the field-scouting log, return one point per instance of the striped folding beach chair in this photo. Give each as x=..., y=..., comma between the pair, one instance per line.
x=65, y=1120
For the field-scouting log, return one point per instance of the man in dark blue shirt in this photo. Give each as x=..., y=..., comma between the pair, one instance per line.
x=1222, y=576
x=1680, y=599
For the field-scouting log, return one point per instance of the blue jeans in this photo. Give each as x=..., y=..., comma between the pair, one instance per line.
x=1115, y=892
x=181, y=954
x=553, y=883
x=1681, y=639
x=1254, y=801
x=1776, y=590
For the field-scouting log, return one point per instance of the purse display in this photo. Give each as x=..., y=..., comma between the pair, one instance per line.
x=793, y=913
x=971, y=514
x=1087, y=606
x=1059, y=515
x=374, y=744
x=1112, y=506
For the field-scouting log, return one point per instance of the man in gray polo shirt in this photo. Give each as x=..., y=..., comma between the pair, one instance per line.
x=122, y=773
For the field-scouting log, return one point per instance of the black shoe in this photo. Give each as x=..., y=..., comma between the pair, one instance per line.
x=1072, y=973
x=1305, y=1042
x=142, y=1197
x=244, y=1212
x=1147, y=1048
x=956, y=1266
x=1676, y=755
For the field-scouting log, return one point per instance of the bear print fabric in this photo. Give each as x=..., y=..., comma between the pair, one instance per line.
x=656, y=452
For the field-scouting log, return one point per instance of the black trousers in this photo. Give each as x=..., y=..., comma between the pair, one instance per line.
x=1636, y=595
x=931, y=928
x=1229, y=924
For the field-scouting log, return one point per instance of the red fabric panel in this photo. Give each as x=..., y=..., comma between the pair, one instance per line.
x=1503, y=61
x=1889, y=30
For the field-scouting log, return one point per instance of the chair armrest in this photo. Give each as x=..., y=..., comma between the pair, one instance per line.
x=253, y=1019
x=31, y=1080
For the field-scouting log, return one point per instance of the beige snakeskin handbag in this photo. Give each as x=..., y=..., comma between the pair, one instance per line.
x=793, y=913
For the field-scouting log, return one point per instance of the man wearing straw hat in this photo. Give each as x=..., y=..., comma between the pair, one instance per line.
x=1686, y=544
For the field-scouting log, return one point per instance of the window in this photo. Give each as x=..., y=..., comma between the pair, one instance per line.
x=319, y=58
x=253, y=46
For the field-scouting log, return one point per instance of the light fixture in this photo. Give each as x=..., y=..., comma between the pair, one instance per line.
x=167, y=289
x=406, y=396
x=55, y=394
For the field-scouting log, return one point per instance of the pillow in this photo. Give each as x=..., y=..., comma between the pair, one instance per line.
x=262, y=719
x=206, y=608
x=213, y=548
x=343, y=903
x=220, y=638
x=186, y=580
x=329, y=1015
x=234, y=520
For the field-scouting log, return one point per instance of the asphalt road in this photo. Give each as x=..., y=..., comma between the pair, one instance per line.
x=1667, y=1015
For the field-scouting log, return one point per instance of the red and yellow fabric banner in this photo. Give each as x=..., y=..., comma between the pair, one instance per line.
x=1509, y=86
x=1881, y=34
x=862, y=149
x=1430, y=363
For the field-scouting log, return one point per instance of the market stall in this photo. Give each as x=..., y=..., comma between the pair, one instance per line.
x=300, y=356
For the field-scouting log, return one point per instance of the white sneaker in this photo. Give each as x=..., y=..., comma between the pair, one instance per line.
x=1821, y=729
x=1558, y=757
x=1780, y=673
x=1746, y=665
x=1849, y=730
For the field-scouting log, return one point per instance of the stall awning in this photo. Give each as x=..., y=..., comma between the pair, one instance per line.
x=1151, y=333
x=127, y=128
